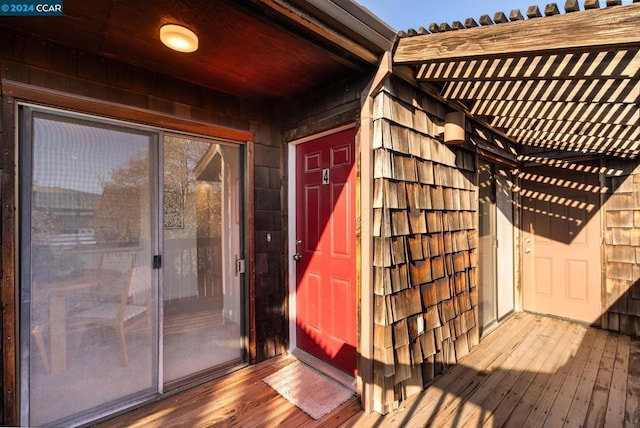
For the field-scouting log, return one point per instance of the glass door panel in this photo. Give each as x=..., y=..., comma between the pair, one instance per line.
x=89, y=295
x=487, y=246
x=201, y=285
x=504, y=237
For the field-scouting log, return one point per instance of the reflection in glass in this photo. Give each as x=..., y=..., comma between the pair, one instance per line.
x=90, y=225
x=201, y=244
x=486, y=245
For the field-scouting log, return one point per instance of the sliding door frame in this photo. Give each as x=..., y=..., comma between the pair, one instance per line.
x=504, y=286
x=23, y=111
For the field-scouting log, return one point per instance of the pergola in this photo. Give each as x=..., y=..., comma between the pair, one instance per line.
x=562, y=86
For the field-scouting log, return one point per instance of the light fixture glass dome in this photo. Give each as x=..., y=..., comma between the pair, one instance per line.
x=179, y=38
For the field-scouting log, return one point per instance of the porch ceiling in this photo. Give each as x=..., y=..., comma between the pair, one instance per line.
x=567, y=83
x=257, y=49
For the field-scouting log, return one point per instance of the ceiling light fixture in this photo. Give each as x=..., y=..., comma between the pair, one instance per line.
x=179, y=38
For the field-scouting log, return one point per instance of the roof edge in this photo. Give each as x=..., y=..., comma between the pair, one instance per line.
x=358, y=22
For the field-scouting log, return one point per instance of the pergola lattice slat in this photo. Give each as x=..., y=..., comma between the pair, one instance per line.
x=580, y=91
x=618, y=114
x=516, y=125
x=565, y=82
x=624, y=63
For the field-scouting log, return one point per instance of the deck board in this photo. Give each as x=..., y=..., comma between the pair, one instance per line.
x=503, y=376
x=580, y=402
x=566, y=391
x=237, y=399
x=542, y=350
x=632, y=411
x=554, y=386
x=531, y=371
x=552, y=358
x=618, y=390
x=598, y=404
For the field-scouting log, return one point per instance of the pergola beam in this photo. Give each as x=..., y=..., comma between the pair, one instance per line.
x=588, y=30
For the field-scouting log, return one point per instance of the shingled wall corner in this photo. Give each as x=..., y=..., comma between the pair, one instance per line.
x=425, y=246
x=621, y=304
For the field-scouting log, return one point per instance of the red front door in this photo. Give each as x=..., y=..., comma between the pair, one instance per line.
x=326, y=246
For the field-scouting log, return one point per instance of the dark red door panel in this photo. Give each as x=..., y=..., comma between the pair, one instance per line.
x=325, y=227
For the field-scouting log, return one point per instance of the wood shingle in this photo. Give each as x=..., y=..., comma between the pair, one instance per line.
x=426, y=221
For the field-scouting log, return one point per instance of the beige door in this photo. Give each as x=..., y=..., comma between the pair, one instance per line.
x=561, y=242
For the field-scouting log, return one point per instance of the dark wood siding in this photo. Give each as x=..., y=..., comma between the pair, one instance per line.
x=43, y=64
x=334, y=105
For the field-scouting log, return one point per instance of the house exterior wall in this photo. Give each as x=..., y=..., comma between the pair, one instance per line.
x=323, y=110
x=425, y=246
x=28, y=60
x=621, y=295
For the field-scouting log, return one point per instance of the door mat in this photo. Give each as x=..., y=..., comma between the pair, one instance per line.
x=314, y=393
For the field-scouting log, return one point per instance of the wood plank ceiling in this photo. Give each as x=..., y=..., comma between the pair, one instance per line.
x=257, y=49
x=563, y=85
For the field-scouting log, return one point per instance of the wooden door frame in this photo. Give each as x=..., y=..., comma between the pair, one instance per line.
x=10, y=413
x=14, y=93
x=291, y=242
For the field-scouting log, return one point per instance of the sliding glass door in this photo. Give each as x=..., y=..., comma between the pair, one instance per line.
x=87, y=204
x=202, y=297
x=487, y=244
x=495, y=212
x=131, y=263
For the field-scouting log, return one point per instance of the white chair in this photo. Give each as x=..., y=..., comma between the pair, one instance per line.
x=122, y=316
x=121, y=261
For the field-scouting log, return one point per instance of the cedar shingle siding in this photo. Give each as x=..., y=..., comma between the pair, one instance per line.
x=622, y=247
x=425, y=246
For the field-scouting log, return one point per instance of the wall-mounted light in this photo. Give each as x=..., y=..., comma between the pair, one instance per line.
x=454, y=128
x=179, y=38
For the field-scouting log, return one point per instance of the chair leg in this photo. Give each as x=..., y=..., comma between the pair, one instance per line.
x=38, y=336
x=76, y=345
x=123, y=345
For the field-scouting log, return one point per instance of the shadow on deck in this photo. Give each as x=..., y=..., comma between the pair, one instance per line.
x=531, y=371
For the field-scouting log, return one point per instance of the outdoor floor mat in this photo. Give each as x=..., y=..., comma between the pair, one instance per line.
x=314, y=393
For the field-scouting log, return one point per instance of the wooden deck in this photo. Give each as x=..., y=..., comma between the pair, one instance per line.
x=239, y=399
x=532, y=371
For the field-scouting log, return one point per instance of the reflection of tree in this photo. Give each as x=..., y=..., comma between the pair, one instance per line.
x=118, y=213
x=208, y=209
x=192, y=217
x=42, y=224
x=190, y=202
